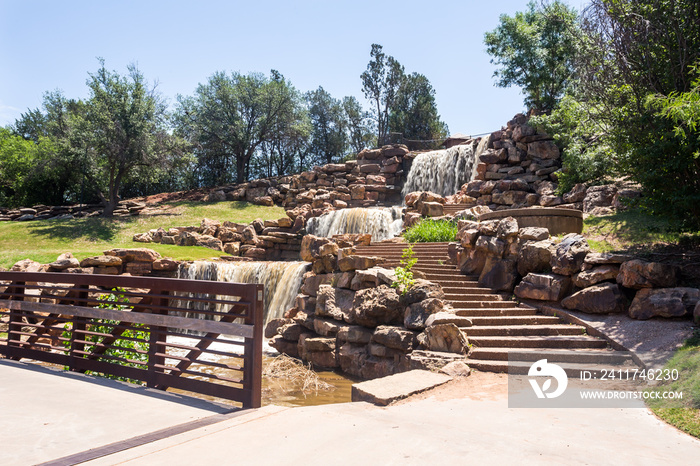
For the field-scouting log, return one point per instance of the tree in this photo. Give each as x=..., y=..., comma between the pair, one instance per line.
x=535, y=50
x=414, y=113
x=124, y=127
x=380, y=84
x=360, y=133
x=230, y=117
x=328, y=139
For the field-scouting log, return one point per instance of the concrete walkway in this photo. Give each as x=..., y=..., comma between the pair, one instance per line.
x=46, y=416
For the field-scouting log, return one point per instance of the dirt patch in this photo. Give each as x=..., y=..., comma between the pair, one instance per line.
x=481, y=386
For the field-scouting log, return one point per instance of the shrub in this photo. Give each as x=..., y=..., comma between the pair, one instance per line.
x=432, y=231
x=404, y=277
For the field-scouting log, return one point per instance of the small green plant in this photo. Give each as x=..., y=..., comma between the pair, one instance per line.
x=429, y=230
x=404, y=277
x=130, y=350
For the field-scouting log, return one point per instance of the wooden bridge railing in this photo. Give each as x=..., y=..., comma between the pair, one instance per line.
x=196, y=336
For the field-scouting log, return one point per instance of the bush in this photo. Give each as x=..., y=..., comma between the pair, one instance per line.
x=432, y=231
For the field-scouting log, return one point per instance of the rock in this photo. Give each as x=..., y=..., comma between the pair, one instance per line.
x=599, y=196
x=353, y=262
x=166, y=265
x=535, y=256
x=664, y=302
x=209, y=227
x=605, y=298
x=210, y=242
x=377, y=306
x=327, y=327
x=431, y=360
x=568, y=255
x=233, y=248
x=422, y=290
x=318, y=344
x=142, y=238
x=443, y=317
x=395, y=387
x=397, y=338
x=446, y=338
x=416, y=314
x=533, y=233
x=134, y=255
x=101, y=261
x=431, y=209
x=138, y=268
x=577, y=194
x=272, y=327
x=355, y=334
x=639, y=274
x=335, y=303
x=351, y=358
x=546, y=150
x=498, y=274
x=456, y=369
x=257, y=254
x=543, y=287
x=310, y=247
x=63, y=264
x=596, y=275
x=284, y=346
x=599, y=258
x=507, y=228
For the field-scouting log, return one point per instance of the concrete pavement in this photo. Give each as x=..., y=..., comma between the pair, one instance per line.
x=48, y=416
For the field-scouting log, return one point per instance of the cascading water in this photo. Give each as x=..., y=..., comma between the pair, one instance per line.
x=381, y=222
x=442, y=171
x=282, y=280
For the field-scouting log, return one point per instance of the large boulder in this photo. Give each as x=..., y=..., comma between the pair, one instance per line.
x=377, y=306
x=422, y=290
x=397, y=338
x=416, y=314
x=334, y=302
x=595, y=275
x=664, y=302
x=543, y=287
x=498, y=274
x=568, y=256
x=311, y=245
x=535, y=256
x=605, y=298
x=447, y=338
x=639, y=274
x=134, y=254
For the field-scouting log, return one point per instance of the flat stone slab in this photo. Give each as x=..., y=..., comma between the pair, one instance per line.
x=388, y=389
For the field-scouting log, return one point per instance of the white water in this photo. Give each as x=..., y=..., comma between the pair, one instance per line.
x=381, y=222
x=282, y=280
x=442, y=171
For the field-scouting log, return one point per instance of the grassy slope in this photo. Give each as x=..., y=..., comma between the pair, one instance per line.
x=44, y=240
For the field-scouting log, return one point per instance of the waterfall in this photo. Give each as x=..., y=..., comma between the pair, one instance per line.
x=442, y=171
x=381, y=222
x=282, y=280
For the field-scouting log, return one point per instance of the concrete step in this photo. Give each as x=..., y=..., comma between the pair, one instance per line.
x=573, y=370
x=581, y=355
x=523, y=330
x=515, y=320
x=465, y=290
x=496, y=309
x=546, y=341
x=460, y=298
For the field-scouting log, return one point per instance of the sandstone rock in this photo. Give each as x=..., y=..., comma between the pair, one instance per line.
x=498, y=274
x=327, y=327
x=431, y=360
x=318, y=344
x=353, y=262
x=568, y=255
x=456, y=369
x=664, y=302
x=209, y=227
x=210, y=242
x=507, y=228
x=142, y=238
x=27, y=265
x=431, y=209
x=444, y=317
x=534, y=256
x=377, y=306
x=422, y=290
x=543, y=287
x=577, y=194
x=397, y=338
x=446, y=338
x=312, y=282
x=273, y=325
x=106, y=270
x=596, y=275
x=355, y=334
x=64, y=263
x=138, y=268
x=351, y=359
x=310, y=247
x=258, y=254
x=284, y=346
x=101, y=261
x=233, y=248
x=599, y=258
x=605, y=298
x=165, y=265
x=416, y=314
x=335, y=303
x=546, y=150
x=599, y=196
x=134, y=255
x=639, y=274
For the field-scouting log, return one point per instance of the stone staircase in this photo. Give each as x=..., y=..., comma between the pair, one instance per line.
x=499, y=324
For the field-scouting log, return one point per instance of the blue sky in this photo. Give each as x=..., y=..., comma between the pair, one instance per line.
x=49, y=45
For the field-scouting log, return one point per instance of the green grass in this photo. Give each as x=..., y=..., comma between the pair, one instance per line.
x=44, y=240
x=431, y=231
x=685, y=413
x=634, y=229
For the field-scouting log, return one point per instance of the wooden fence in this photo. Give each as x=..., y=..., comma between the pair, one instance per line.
x=196, y=336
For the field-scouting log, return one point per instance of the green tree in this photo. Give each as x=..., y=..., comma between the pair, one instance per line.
x=380, y=84
x=360, y=133
x=414, y=113
x=125, y=126
x=535, y=50
x=328, y=139
x=230, y=117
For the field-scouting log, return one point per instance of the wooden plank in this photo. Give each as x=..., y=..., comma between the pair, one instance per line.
x=218, y=327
